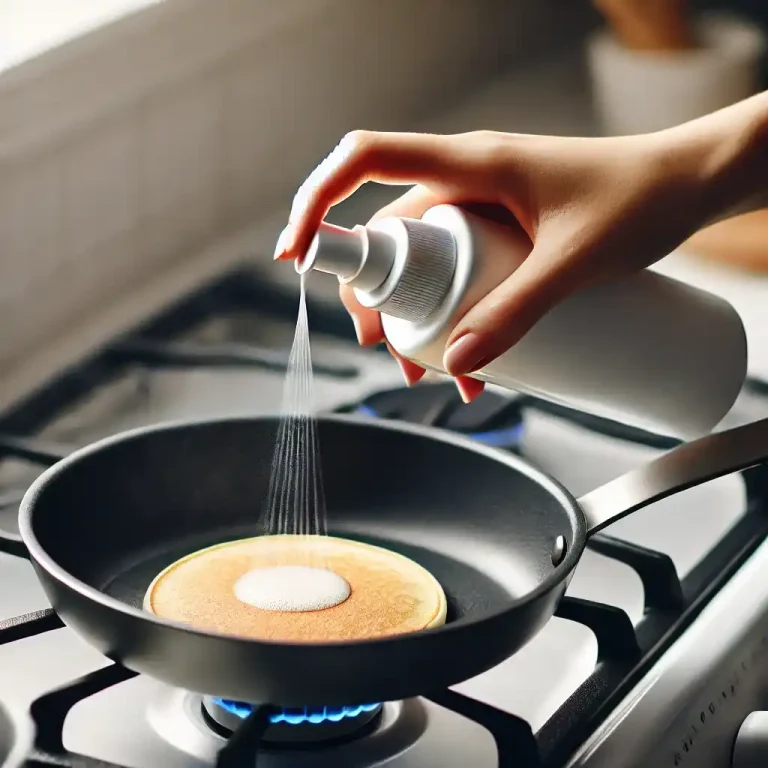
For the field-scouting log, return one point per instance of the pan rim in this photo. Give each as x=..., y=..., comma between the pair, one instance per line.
x=61, y=575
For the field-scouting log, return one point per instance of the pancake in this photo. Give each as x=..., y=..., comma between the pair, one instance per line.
x=220, y=589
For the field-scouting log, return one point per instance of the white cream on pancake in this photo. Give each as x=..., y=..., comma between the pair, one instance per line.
x=229, y=588
x=291, y=588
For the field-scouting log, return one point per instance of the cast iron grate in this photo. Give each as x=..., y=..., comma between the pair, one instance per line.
x=625, y=653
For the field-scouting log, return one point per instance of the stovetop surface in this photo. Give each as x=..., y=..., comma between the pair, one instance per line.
x=222, y=357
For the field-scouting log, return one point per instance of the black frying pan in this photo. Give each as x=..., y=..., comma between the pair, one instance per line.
x=102, y=523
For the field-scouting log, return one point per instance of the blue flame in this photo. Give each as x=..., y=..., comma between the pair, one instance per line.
x=313, y=715
x=497, y=438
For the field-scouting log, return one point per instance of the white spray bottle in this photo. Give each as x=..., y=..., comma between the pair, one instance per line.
x=645, y=350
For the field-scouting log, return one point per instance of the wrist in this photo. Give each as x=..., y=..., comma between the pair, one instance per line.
x=726, y=154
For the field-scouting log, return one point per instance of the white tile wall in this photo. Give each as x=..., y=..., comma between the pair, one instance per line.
x=30, y=220
x=178, y=162
x=87, y=78
x=99, y=187
x=257, y=125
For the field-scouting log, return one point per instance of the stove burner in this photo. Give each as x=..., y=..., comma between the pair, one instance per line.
x=295, y=725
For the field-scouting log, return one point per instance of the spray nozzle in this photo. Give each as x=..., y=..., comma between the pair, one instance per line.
x=402, y=267
x=360, y=256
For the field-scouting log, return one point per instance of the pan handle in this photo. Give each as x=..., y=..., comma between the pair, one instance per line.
x=683, y=467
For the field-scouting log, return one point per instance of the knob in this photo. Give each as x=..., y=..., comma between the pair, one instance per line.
x=751, y=747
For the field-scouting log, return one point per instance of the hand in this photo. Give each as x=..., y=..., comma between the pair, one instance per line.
x=594, y=209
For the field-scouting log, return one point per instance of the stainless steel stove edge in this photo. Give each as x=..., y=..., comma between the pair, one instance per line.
x=692, y=702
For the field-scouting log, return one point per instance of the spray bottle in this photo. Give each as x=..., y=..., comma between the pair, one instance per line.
x=645, y=350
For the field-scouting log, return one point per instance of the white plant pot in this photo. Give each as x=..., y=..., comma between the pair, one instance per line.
x=640, y=91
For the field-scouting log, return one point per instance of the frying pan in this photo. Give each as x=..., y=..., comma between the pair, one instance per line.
x=102, y=523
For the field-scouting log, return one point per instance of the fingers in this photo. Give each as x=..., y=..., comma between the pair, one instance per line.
x=442, y=168
x=412, y=205
x=390, y=158
x=506, y=314
x=367, y=322
x=469, y=389
x=368, y=328
x=369, y=332
x=410, y=370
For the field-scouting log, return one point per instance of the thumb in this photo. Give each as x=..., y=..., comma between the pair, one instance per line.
x=507, y=313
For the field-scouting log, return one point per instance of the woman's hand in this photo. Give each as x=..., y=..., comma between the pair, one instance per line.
x=594, y=209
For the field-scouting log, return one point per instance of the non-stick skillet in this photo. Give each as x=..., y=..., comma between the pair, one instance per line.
x=102, y=523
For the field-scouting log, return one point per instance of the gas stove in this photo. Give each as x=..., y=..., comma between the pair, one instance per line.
x=656, y=657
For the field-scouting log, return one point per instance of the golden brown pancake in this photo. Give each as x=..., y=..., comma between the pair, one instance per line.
x=389, y=594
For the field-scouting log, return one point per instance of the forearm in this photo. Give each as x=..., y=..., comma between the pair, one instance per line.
x=727, y=152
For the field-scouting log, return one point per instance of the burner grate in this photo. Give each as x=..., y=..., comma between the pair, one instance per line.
x=29, y=625
x=50, y=711
x=168, y=354
x=658, y=575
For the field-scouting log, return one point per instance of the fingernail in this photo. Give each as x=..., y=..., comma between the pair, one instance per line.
x=410, y=375
x=465, y=396
x=464, y=355
x=469, y=389
x=284, y=242
x=358, y=329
